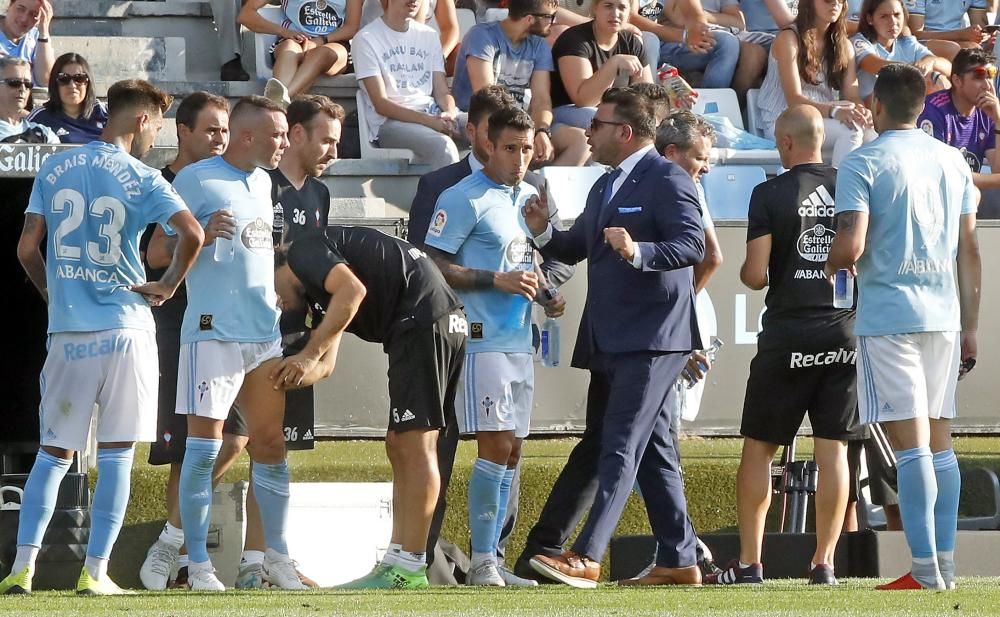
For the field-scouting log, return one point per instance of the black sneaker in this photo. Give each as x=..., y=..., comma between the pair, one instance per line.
x=233, y=71
x=822, y=575
x=735, y=575
x=708, y=567
x=181, y=582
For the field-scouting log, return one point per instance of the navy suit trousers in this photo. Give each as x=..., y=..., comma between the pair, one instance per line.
x=636, y=444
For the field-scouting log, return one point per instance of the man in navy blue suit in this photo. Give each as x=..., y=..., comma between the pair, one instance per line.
x=483, y=104
x=640, y=232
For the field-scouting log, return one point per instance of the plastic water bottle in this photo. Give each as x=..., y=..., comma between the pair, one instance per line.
x=224, y=250
x=843, y=289
x=711, y=352
x=550, y=342
x=224, y=247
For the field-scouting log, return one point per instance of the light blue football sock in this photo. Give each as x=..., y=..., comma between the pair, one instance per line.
x=114, y=475
x=270, y=486
x=484, y=505
x=40, y=494
x=917, y=495
x=195, y=494
x=504, y=497
x=949, y=484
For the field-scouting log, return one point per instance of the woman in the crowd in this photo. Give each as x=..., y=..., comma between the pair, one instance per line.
x=882, y=38
x=810, y=61
x=592, y=57
x=313, y=40
x=72, y=111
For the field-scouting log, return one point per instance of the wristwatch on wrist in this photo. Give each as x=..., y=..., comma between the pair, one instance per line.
x=544, y=129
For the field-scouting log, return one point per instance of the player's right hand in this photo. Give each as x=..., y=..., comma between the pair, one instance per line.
x=698, y=365
x=155, y=292
x=517, y=282
x=222, y=224
x=536, y=211
x=970, y=349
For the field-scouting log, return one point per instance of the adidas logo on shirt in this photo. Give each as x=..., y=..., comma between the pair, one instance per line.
x=819, y=203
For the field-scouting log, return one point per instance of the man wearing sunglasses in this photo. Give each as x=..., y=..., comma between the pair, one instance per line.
x=15, y=87
x=514, y=54
x=967, y=115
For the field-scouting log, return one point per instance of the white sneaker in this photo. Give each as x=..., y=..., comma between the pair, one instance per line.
x=280, y=572
x=202, y=577
x=276, y=92
x=161, y=562
x=512, y=580
x=250, y=576
x=485, y=574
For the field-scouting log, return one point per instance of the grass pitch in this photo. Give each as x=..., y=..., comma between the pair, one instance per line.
x=785, y=598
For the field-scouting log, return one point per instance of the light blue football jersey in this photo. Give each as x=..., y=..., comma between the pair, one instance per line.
x=231, y=300
x=914, y=189
x=480, y=223
x=97, y=200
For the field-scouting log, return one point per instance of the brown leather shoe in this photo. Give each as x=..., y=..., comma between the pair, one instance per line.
x=691, y=575
x=569, y=568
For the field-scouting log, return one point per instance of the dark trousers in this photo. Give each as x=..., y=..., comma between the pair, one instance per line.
x=635, y=444
x=446, y=448
x=574, y=489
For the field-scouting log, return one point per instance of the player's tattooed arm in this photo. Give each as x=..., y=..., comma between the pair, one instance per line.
x=29, y=252
x=514, y=282
x=849, y=243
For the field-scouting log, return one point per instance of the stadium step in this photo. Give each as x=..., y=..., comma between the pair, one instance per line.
x=156, y=58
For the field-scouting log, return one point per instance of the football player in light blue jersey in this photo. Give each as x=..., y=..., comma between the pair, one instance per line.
x=906, y=220
x=230, y=340
x=479, y=240
x=97, y=200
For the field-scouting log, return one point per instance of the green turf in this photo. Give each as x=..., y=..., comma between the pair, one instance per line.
x=775, y=598
x=709, y=469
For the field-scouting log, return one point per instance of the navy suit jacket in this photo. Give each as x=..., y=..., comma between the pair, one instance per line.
x=630, y=309
x=430, y=187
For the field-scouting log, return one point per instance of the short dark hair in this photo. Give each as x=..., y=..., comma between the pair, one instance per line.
x=192, y=104
x=250, y=103
x=900, y=88
x=633, y=109
x=968, y=59
x=657, y=94
x=509, y=118
x=681, y=129
x=137, y=94
x=89, y=99
x=516, y=9
x=305, y=107
x=487, y=101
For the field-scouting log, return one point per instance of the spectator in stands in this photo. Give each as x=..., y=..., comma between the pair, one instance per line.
x=400, y=67
x=945, y=21
x=313, y=40
x=514, y=54
x=809, y=61
x=661, y=18
x=592, y=57
x=726, y=15
x=438, y=14
x=967, y=115
x=72, y=111
x=225, y=13
x=24, y=33
x=15, y=75
x=880, y=40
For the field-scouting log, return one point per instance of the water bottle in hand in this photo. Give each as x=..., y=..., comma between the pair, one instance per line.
x=550, y=342
x=843, y=289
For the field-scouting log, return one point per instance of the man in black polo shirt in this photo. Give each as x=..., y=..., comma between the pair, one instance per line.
x=387, y=291
x=805, y=352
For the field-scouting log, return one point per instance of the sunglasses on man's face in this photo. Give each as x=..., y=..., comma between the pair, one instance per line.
x=549, y=17
x=987, y=71
x=79, y=78
x=18, y=83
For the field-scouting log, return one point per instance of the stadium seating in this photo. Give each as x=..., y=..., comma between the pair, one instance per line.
x=728, y=189
x=753, y=113
x=720, y=102
x=262, y=42
x=569, y=186
x=368, y=149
